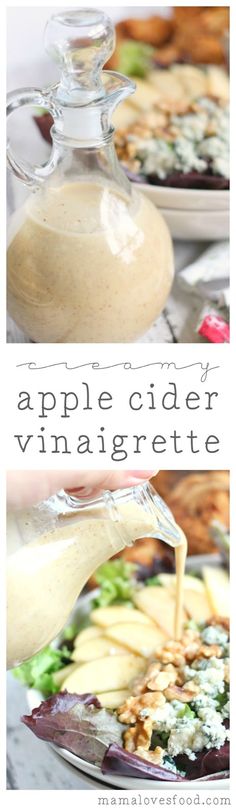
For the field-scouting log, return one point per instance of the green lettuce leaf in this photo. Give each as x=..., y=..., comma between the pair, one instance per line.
x=135, y=58
x=116, y=582
x=154, y=580
x=186, y=712
x=38, y=671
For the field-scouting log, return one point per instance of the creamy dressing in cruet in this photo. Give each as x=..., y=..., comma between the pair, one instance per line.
x=84, y=266
x=46, y=575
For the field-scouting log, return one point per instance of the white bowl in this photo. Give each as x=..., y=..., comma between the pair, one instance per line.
x=191, y=214
x=168, y=197
x=197, y=225
x=124, y=782
x=34, y=699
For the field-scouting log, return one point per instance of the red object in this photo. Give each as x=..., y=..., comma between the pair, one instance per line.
x=215, y=329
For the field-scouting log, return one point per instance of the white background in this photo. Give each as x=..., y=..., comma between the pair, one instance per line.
x=26, y=60
x=120, y=419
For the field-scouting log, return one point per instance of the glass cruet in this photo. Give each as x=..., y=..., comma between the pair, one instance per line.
x=89, y=258
x=54, y=547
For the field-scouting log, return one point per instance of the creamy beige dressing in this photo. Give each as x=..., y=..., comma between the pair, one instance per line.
x=46, y=575
x=180, y=559
x=85, y=266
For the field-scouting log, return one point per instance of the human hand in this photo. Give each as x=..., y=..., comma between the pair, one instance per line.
x=27, y=488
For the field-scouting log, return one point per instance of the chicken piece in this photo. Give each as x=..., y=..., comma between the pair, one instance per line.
x=194, y=488
x=215, y=20
x=183, y=13
x=196, y=500
x=154, y=30
x=164, y=482
x=167, y=54
x=204, y=48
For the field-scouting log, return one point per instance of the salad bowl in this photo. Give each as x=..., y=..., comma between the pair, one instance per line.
x=119, y=781
x=35, y=697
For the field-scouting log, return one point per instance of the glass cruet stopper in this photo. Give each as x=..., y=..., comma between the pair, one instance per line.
x=81, y=41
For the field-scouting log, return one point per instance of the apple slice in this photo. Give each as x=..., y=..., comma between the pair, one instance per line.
x=218, y=590
x=106, y=674
x=139, y=638
x=159, y=604
x=197, y=605
x=90, y=633
x=118, y=614
x=113, y=699
x=60, y=676
x=145, y=95
x=93, y=649
x=169, y=580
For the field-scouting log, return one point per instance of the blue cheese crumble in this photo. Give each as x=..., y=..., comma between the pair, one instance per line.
x=195, y=704
x=214, y=634
x=197, y=140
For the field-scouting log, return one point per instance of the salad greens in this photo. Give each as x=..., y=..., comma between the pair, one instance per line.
x=70, y=632
x=153, y=581
x=222, y=699
x=118, y=761
x=38, y=671
x=77, y=722
x=186, y=712
x=135, y=58
x=116, y=582
x=159, y=739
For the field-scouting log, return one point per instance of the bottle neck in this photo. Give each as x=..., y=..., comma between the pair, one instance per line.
x=84, y=113
x=95, y=162
x=84, y=126
x=149, y=506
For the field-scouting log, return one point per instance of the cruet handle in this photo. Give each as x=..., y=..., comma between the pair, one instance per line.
x=31, y=175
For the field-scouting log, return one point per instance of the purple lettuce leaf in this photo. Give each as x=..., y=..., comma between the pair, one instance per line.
x=118, y=761
x=190, y=180
x=77, y=723
x=207, y=762
x=216, y=776
x=44, y=123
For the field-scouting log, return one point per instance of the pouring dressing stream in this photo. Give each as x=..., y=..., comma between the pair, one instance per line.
x=56, y=547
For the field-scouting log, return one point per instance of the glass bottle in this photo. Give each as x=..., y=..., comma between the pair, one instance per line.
x=89, y=258
x=55, y=547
